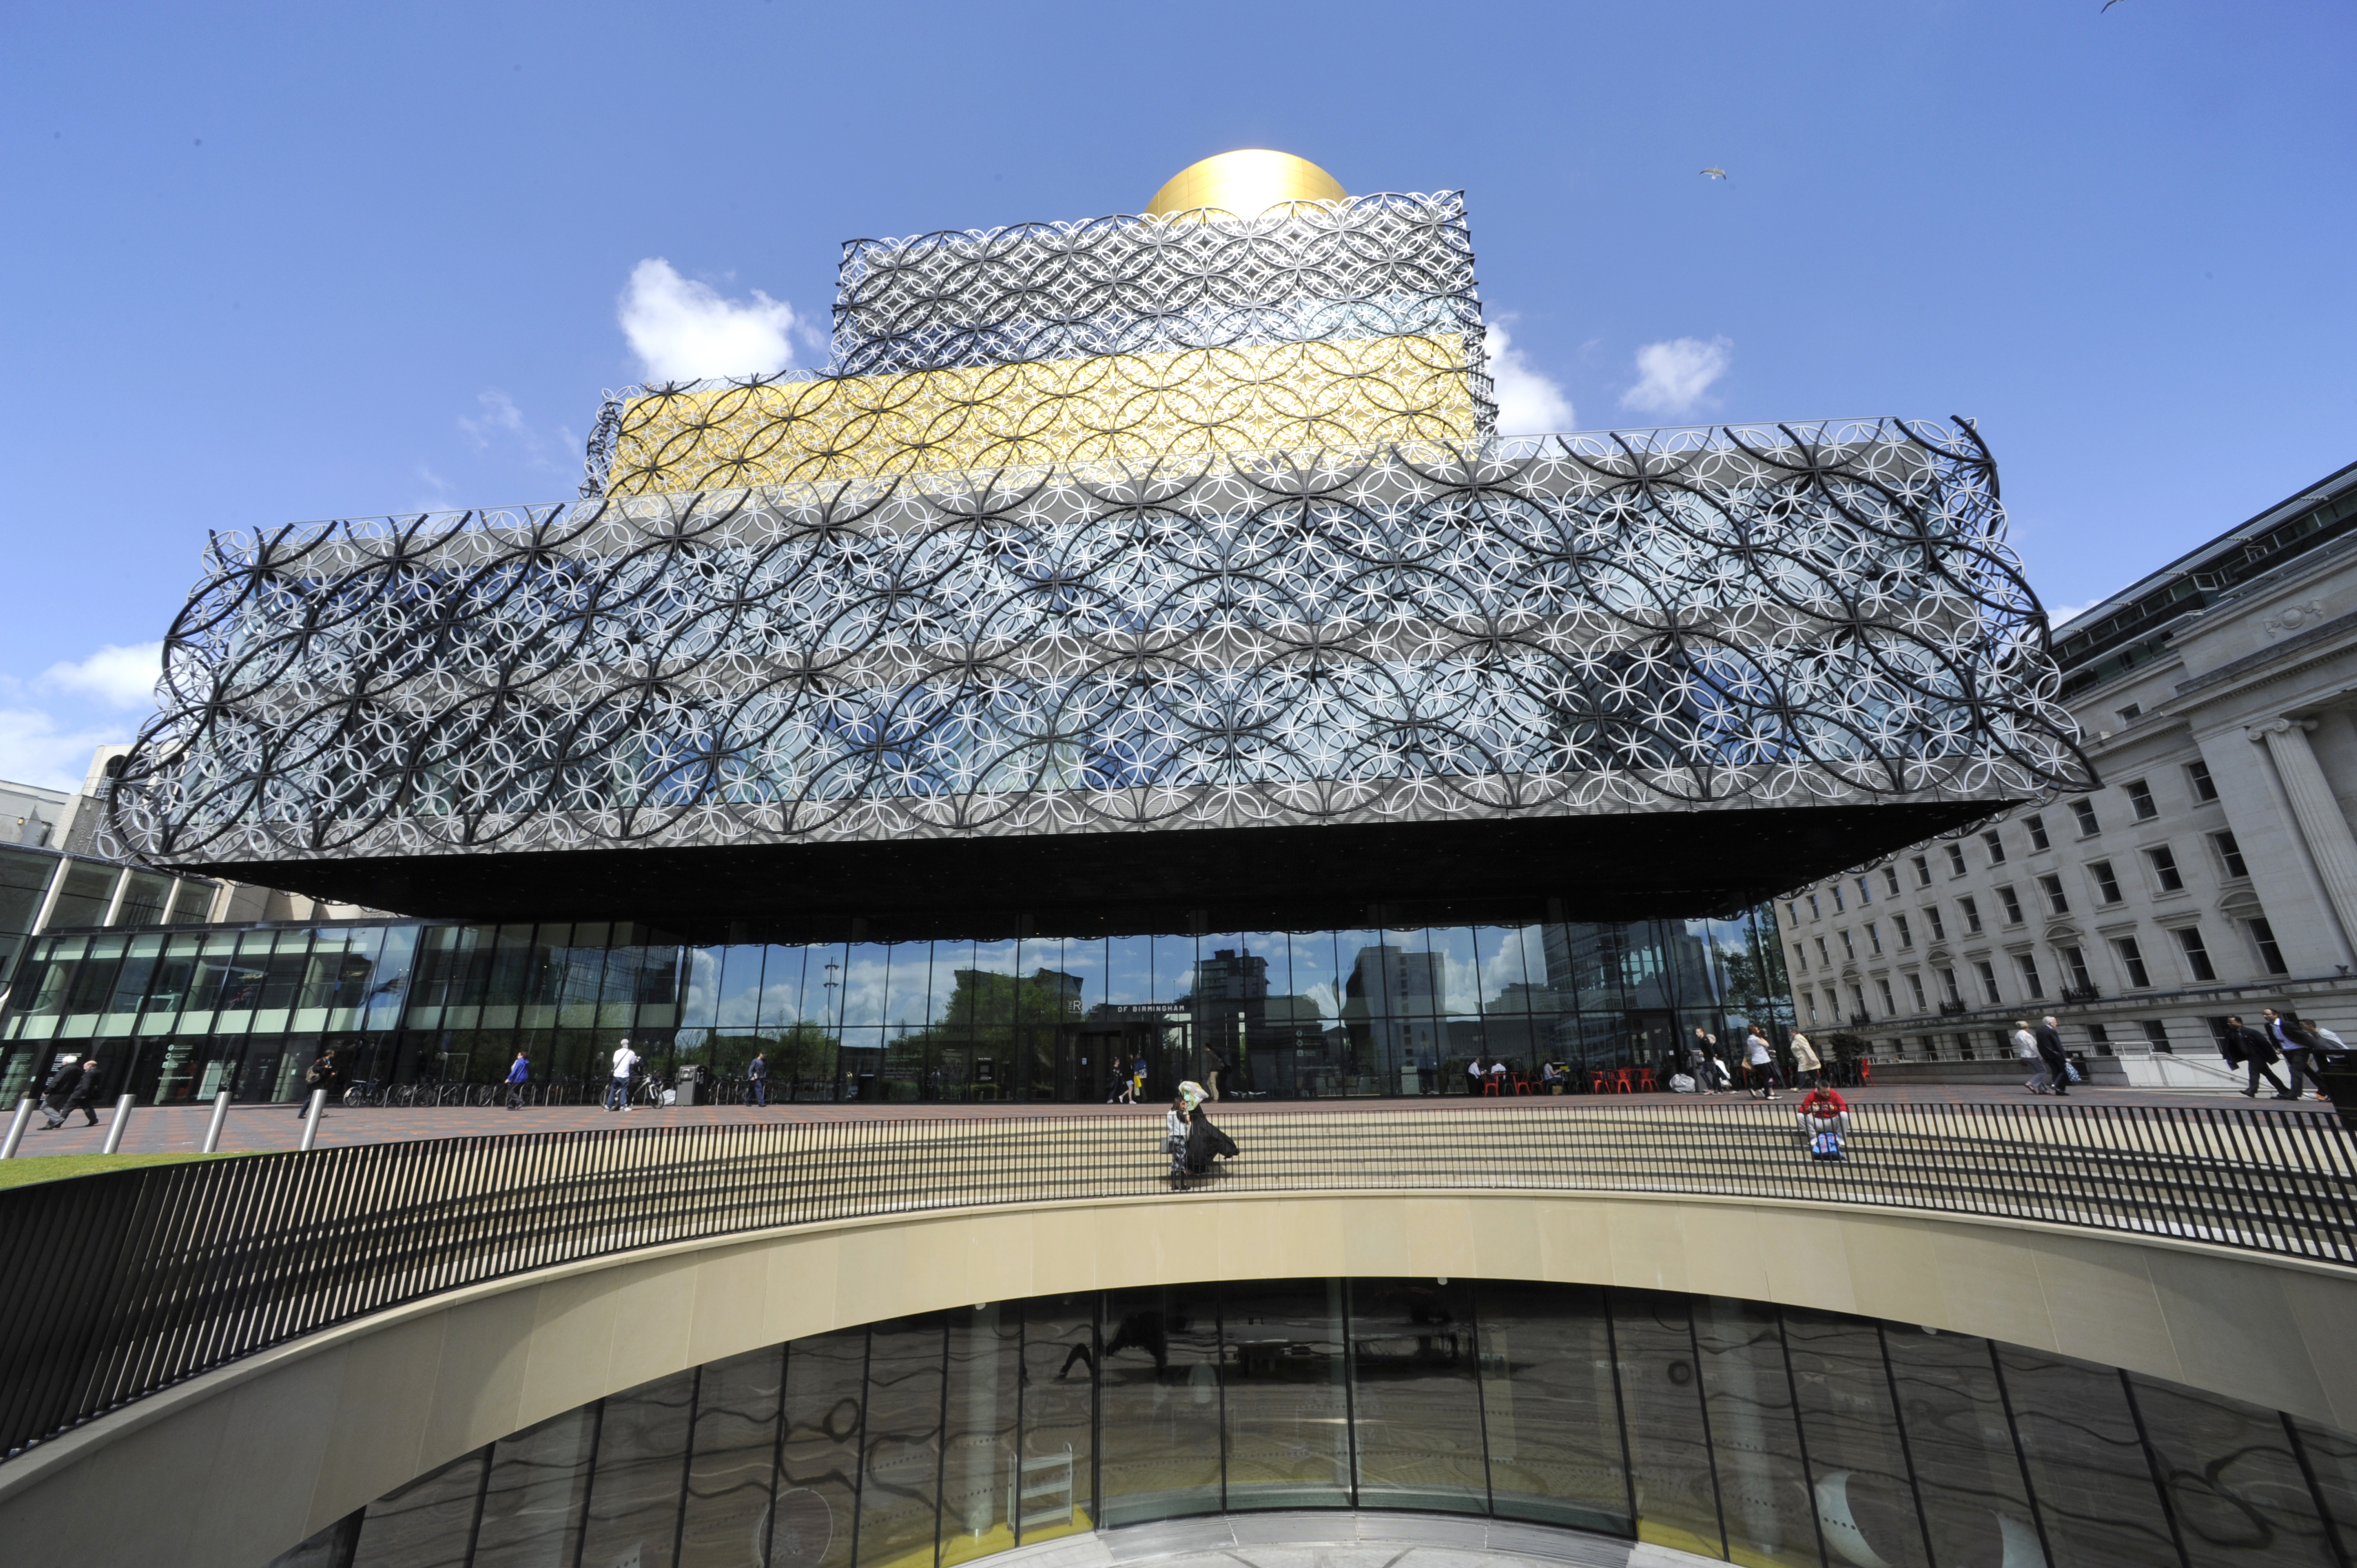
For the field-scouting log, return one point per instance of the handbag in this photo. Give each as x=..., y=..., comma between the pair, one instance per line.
x=2070, y=1069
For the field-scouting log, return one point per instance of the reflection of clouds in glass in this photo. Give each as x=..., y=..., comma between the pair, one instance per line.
x=1521, y=958
x=703, y=1002
x=740, y=988
x=862, y=987
x=1328, y=1001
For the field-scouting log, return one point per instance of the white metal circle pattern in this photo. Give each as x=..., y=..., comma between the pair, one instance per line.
x=1592, y=624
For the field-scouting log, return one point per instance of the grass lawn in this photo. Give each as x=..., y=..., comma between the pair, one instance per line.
x=27, y=1169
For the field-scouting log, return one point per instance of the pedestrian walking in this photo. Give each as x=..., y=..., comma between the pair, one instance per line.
x=617, y=1090
x=2294, y=1039
x=72, y=1087
x=2025, y=1047
x=1215, y=1062
x=757, y=1073
x=519, y=1075
x=2244, y=1047
x=1174, y=1142
x=1760, y=1067
x=2048, y=1037
x=1805, y=1062
x=320, y=1074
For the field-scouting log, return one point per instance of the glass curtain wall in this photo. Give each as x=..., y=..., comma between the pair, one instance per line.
x=1728, y=1429
x=439, y=1010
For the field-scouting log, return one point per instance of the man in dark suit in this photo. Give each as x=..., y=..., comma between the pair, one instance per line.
x=67, y=1094
x=2050, y=1052
x=2247, y=1046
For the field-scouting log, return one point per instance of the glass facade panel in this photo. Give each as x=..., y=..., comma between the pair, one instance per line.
x=1865, y=1493
x=899, y=1476
x=1160, y=1391
x=2087, y=1464
x=953, y=1435
x=2232, y=1482
x=731, y=1459
x=986, y=1348
x=532, y=1504
x=82, y=900
x=1968, y=1473
x=1414, y=1398
x=1551, y=1411
x=818, y=1462
x=1662, y=1404
x=635, y=1492
x=1288, y=1426
x=1058, y=1444
x=1764, y=1486
x=428, y=1523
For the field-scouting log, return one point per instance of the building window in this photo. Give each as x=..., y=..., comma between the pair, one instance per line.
x=2105, y=883
x=1793, y=913
x=2132, y=960
x=1988, y=979
x=2164, y=869
x=1833, y=1004
x=1995, y=847
x=2012, y=903
x=1849, y=948
x=2075, y=962
x=1915, y=989
x=1811, y=1001
x=2085, y=812
x=2263, y=935
x=1865, y=891
x=1923, y=872
x=2140, y=800
x=2130, y=714
x=1890, y=879
x=2204, y=786
x=2037, y=826
x=2155, y=1035
x=2229, y=855
x=2196, y=956
x=1800, y=959
x=1971, y=914
x=2051, y=886
x=2030, y=981
x=1825, y=959
x=1873, y=937
x=1906, y=937
x=1957, y=859
x=1939, y=931
x=1838, y=905
x=1890, y=1003
x=1815, y=912
x=1948, y=984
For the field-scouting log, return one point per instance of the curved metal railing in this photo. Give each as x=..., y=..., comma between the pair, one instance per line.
x=119, y=1285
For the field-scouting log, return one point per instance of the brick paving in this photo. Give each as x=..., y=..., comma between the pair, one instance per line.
x=163, y=1130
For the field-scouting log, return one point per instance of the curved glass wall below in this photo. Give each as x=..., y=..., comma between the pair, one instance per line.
x=1725, y=1428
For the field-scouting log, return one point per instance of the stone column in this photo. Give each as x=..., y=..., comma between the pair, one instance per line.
x=2323, y=828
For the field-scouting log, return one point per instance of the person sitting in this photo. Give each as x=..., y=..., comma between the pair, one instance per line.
x=1824, y=1122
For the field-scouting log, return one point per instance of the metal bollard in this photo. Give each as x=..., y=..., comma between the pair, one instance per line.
x=220, y=1115
x=114, y=1133
x=311, y=1120
x=23, y=1118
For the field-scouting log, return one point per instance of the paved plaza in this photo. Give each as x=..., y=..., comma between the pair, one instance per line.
x=178, y=1129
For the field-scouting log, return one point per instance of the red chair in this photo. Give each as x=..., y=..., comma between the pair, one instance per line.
x=1620, y=1084
x=1596, y=1081
x=1523, y=1084
x=1490, y=1085
x=1645, y=1083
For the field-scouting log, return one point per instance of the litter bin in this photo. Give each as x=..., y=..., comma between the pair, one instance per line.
x=685, y=1082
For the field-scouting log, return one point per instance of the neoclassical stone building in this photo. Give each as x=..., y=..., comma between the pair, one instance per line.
x=2214, y=873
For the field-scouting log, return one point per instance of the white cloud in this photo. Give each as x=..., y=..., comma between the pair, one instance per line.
x=500, y=417
x=2056, y=615
x=1671, y=377
x=1528, y=403
x=120, y=677
x=683, y=330
x=35, y=750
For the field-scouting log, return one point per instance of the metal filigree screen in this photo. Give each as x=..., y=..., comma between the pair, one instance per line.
x=1634, y=622
x=1317, y=326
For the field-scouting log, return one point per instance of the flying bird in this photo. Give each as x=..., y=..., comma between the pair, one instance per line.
x=1715, y=172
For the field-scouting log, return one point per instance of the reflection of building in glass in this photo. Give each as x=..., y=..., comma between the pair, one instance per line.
x=1394, y=1001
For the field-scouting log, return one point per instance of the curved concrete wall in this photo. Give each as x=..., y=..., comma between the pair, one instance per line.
x=231, y=1468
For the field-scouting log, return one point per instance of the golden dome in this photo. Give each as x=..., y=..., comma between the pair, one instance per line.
x=1246, y=183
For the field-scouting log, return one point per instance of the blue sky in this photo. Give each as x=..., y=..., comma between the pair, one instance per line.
x=270, y=264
